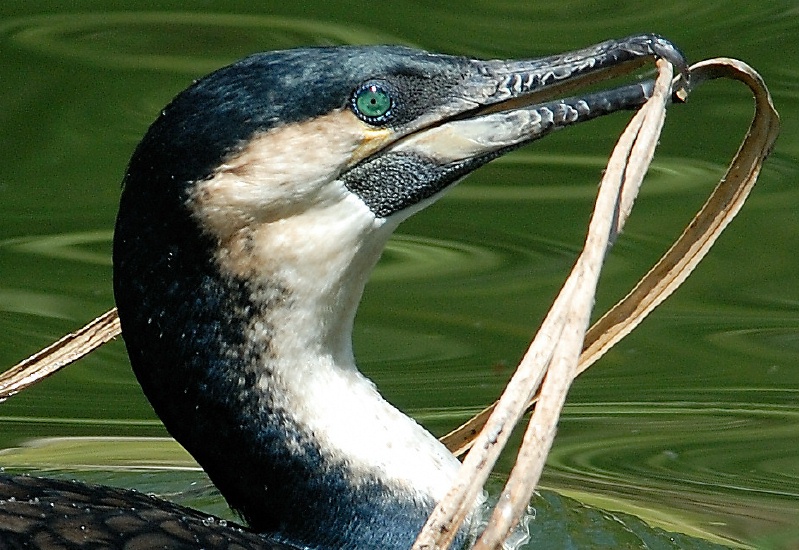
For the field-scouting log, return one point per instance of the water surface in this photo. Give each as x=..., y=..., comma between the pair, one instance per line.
x=692, y=423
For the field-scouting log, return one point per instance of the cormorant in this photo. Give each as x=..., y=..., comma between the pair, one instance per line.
x=251, y=215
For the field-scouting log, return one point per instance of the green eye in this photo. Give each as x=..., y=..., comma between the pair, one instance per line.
x=372, y=103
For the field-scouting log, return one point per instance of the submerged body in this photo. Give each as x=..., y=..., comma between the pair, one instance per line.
x=251, y=216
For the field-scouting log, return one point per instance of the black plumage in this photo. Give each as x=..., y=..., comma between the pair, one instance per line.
x=238, y=266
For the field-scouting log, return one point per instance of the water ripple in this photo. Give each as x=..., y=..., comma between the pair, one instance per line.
x=155, y=465
x=414, y=257
x=65, y=246
x=683, y=454
x=772, y=342
x=158, y=40
x=667, y=175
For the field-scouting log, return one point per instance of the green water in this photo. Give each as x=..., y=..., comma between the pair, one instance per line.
x=692, y=423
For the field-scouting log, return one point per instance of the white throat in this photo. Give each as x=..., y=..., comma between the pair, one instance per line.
x=321, y=258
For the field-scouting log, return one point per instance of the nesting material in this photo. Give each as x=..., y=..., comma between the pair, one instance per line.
x=563, y=348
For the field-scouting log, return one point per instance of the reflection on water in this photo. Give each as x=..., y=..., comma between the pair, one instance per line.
x=763, y=341
x=159, y=465
x=417, y=257
x=690, y=424
x=525, y=170
x=670, y=442
x=153, y=40
x=688, y=457
x=69, y=246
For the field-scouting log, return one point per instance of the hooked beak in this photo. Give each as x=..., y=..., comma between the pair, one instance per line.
x=500, y=106
x=507, y=98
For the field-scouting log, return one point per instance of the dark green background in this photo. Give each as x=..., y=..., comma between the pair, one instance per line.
x=692, y=422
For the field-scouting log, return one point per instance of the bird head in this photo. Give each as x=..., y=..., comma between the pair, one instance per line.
x=300, y=163
x=251, y=215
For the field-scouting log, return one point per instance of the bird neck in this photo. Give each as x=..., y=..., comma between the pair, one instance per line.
x=247, y=359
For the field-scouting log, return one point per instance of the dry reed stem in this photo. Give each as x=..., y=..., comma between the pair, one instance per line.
x=549, y=349
x=59, y=354
x=687, y=251
x=553, y=352
x=617, y=191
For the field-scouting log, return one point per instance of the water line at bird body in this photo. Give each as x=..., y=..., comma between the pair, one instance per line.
x=108, y=323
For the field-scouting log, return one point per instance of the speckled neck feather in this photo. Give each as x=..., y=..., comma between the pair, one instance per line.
x=252, y=213
x=205, y=348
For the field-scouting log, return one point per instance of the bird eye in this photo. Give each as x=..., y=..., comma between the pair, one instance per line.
x=372, y=103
